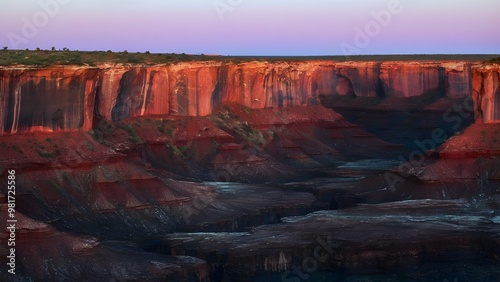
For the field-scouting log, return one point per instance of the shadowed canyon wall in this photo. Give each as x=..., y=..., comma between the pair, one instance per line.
x=65, y=98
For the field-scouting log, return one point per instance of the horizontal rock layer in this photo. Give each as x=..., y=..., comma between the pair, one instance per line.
x=65, y=98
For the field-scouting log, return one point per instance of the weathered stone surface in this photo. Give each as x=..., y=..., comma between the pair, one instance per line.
x=486, y=94
x=44, y=253
x=63, y=98
x=364, y=239
x=47, y=100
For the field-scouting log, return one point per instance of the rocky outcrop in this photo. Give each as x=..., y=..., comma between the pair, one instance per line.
x=67, y=98
x=411, y=79
x=486, y=94
x=52, y=99
x=85, y=257
x=360, y=241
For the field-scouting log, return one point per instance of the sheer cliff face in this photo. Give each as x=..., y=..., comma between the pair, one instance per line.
x=486, y=94
x=46, y=99
x=67, y=98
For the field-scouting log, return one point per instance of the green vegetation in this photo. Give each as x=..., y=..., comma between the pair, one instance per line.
x=273, y=131
x=246, y=109
x=180, y=151
x=229, y=122
x=105, y=129
x=43, y=58
x=71, y=181
x=57, y=188
x=133, y=137
x=162, y=127
x=495, y=60
x=97, y=135
x=46, y=154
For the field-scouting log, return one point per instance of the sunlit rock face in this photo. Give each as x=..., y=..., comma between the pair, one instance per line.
x=182, y=89
x=486, y=94
x=68, y=98
x=47, y=100
x=458, y=79
x=411, y=79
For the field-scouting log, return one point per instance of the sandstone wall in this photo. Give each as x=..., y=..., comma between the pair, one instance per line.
x=47, y=99
x=486, y=94
x=67, y=98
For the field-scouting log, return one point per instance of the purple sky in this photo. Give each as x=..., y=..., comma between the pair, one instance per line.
x=255, y=27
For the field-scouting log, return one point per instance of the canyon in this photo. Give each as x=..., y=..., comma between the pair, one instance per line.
x=223, y=170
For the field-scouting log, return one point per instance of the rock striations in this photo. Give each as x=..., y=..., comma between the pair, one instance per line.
x=67, y=98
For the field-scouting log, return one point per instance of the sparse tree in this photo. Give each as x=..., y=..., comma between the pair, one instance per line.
x=38, y=48
x=53, y=48
x=5, y=48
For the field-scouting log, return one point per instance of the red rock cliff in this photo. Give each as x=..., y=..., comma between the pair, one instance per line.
x=47, y=99
x=67, y=98
x=486, y=94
